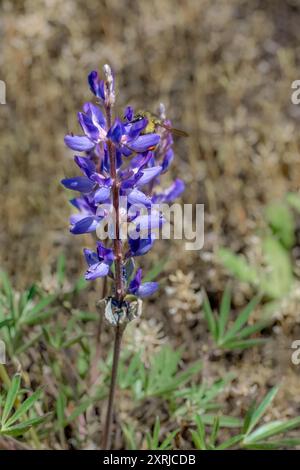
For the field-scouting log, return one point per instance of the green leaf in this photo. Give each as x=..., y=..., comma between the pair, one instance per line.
x=273, y=445
x=238, y=266
x=81, y=408
x=6, y=322
x=61, y=404
x=244, y=344
x=271, y=429
x=261, y=409
x=294, y=200
x=199, y=444
x=11, y=398
x=224, y=312
x=128, y=431
x=242, y=318
x=230, y=442
x=225, y=421
x=23, y=408
x=209, y=316
x=281, y=221
x=37, y=318
x=166, y=444
x=32, y=312
x=278, y=278
x=215, y=430
x=20, y=429
x=199, y=436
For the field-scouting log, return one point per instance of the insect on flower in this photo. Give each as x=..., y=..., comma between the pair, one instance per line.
x=154, y=122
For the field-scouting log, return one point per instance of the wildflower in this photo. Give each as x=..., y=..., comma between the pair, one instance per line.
x=119, y=160
x=99, y=263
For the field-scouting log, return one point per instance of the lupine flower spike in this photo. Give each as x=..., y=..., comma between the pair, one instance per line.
x=121, y=166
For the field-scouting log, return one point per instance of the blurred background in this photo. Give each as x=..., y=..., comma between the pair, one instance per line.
x=224, y=71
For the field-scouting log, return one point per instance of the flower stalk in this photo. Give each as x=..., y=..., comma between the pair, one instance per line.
x=122, y=158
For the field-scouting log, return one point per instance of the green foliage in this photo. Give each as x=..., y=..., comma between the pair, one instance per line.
x=275, y=278
x=14, y=420
x=153, y=440
x=236, y=335
x=203, y=442
x=282, y=224
x=161, y=379
x=252, y=435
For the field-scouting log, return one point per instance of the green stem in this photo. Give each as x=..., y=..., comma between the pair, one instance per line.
x=117, y=348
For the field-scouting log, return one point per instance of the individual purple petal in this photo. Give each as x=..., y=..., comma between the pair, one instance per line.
x=102, y=194
x=136, y=281
x=86, y=165
x=95, y=113
x=146, y=289
x=140, y=246
x=81, y=143
x=137, y=197
x=90, y=256
x=150, y=221
x=143, y=143
x=104, y=253
x=88, y=127
x=96, y=270
x=78, y=183
x=96, y=85
x=85, y=225
x=134, y=129
x=148, y=174
x=168, y=158
x=174, y=190
x=116, y=131
x=128, y=113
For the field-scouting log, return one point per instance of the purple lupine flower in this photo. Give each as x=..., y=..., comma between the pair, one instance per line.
x=142, y=290
x=99, y=263
x=119, y=159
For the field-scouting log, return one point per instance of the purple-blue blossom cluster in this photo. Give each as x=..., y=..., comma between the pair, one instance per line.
x=139, y=160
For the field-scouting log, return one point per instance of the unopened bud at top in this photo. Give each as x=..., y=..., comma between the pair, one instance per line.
x=109, y=86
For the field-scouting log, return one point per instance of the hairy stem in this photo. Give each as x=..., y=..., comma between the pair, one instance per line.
x=119, y=287
x=117, y=348
x=115, y=193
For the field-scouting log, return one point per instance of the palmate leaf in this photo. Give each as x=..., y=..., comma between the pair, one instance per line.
x=11, y=398
x=235, y=337
x=20, y=429
x=242, y=319
x=23, y=408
